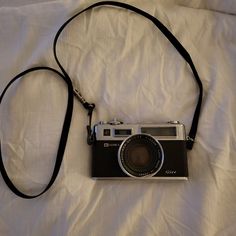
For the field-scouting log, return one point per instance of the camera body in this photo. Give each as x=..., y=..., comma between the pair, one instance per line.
x=150, y=151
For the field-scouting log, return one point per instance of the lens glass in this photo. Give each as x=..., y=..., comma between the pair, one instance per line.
x=140, y=155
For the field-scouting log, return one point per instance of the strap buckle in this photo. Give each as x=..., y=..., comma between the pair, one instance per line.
x=90, y=134
x=189, y=143
x=89, y=107
x=79, y=96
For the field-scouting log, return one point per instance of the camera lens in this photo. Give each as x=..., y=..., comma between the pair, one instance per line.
x=140, y=155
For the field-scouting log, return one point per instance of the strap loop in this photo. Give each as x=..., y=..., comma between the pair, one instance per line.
x=90, y=134
x=63, y=139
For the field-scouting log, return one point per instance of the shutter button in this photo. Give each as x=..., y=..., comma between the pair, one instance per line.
x=174, y=122
x=115, y=122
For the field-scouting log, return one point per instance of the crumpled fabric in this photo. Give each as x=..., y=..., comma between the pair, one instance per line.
x=122, y=63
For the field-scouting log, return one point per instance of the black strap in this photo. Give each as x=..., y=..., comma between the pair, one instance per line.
x=89, y=106
x=64, y=133
x=169, y=36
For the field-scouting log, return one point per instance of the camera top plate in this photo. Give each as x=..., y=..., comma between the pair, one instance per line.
x=119, y=131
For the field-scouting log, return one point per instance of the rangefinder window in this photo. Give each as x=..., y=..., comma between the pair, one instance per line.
x=159, y=131
x=122, y=132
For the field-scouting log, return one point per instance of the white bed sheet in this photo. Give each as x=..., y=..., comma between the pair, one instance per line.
x=124, y=64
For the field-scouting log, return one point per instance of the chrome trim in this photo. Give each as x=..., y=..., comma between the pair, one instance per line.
x=136, y=129
x=79, y=95
x=150, y=178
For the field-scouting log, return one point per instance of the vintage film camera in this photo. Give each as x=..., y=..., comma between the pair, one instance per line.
x=146, y=151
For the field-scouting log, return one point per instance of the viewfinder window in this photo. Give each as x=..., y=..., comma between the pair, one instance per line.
x=123, y=132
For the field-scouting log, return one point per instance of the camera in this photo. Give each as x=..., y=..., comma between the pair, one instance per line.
x=139, y=151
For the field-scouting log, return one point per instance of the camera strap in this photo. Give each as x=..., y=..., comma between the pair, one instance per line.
x=90, y=106
x=172, y=39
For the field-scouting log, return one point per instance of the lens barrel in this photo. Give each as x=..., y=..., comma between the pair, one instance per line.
x=140, y=155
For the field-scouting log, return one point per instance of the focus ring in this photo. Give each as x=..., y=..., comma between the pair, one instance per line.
x=140, y=155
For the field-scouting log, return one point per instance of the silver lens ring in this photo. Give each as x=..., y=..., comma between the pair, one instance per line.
x=140, y=156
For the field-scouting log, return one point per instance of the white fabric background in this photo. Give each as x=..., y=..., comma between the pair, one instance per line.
x=124, y=64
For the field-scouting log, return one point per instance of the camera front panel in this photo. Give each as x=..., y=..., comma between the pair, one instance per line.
x=105, y=151
x=105, y=161
x=175, y=164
